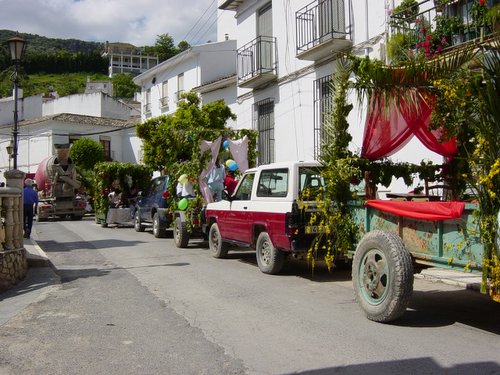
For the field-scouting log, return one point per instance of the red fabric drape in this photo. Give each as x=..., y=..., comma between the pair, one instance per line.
x=420, y=210
x=386, y=132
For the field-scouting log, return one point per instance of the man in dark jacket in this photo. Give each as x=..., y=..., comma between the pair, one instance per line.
x=30, y=197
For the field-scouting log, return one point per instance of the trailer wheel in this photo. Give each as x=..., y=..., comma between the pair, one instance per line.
x=181, y=235
x=382, y=275
x=158, y=230
x=269, y=259
x=137, y=223
x=217, y=246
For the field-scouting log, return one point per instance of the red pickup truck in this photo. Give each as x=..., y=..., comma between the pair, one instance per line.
x=263, y=213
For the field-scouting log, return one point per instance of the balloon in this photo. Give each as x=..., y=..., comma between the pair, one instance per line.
x=233, y=166
x=183, y=179
x=229, y=161
x=225, y=144
x=183, y=204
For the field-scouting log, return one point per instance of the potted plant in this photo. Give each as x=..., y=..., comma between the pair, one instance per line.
x=451, y=28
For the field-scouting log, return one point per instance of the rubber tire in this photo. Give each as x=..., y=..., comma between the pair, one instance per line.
x=76, y=217
x=269, y=259
x=158, y=230
x=217, y=246
x=137, y=223
x=40, y=220
x=181, y=235
x=382, y=275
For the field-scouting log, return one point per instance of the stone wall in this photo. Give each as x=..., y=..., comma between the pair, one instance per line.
x=13, y=267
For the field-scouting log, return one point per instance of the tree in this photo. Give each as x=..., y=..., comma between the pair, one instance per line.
x=86, y=153
x=171, y=142
x=165, y=47
x=124, y=86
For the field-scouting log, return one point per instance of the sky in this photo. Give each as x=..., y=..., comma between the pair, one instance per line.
x=138, y=22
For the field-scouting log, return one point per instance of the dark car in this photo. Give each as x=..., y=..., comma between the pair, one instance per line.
x=152, y=208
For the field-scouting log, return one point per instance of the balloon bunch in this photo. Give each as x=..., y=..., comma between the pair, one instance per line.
x=231, y=165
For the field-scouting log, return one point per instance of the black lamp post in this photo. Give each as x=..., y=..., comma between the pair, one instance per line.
x=17, y=45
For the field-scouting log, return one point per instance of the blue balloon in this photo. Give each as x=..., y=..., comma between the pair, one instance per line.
x=233, y=166
x=225, y=144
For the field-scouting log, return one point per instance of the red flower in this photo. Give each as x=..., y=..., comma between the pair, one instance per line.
x=482, y=2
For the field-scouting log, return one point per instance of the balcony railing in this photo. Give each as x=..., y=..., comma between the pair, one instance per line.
x=257, y=62
x=431, y=29
x=178, y=95
x=164, y=102
x=321, y=27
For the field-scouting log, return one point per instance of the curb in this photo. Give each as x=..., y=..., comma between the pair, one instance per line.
x=35, y=256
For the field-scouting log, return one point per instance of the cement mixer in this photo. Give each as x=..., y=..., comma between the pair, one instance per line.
x=57, y=183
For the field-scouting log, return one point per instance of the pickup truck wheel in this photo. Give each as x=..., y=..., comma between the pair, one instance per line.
x=382, y=275
x=181, y=235
x=158, y=230
x=217, y=246
x=137, y=223
x=269, y=259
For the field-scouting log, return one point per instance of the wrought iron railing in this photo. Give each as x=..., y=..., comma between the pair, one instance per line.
x=320, y=21
x=433, y=28
x=257, y=57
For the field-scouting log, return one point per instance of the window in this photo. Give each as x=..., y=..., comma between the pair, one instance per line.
x=311, y=182
x=265, y=28
x=147, y=105
x=180, y=86
x=244, y=191
x=273, y=183
x=264, y=120
x=106, y=144
x=164, y=95
x=322, y=108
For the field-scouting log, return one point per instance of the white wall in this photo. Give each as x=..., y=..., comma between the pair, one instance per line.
x=293, y=95
x=94, y=104
x=27, y=108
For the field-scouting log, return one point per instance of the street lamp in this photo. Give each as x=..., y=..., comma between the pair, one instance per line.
x=17, y=45
x=10, y=151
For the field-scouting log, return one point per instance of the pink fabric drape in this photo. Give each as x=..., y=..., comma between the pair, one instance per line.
x=214, y=148
x=386, y=132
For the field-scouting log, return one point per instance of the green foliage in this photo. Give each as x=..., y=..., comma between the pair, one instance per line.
x=405, y=14
x=63, y=84
x=86, y=153
x=125, y=175
x=171, y=143
x=164, y=47
x=123, y=86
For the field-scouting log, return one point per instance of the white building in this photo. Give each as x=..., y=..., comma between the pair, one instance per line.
x=64, y=120
x=209, y=69
x=286, y=54
x=128, y=59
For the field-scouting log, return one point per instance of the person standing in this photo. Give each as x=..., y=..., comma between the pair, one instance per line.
x=215, y=180
x=30, y=198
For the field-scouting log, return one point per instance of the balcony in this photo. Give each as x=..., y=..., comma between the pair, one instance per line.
x=164, y=103
x=257, y=62
x=428, y=29
x=321, y=29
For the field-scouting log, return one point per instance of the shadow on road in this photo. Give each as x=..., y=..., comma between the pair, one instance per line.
x=424, y=365
x=51, y=246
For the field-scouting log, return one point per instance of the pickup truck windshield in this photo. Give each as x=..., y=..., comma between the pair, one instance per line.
x=311, y=182
x=244, y=191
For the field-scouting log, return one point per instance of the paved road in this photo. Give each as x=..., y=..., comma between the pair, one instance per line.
x=129, y=303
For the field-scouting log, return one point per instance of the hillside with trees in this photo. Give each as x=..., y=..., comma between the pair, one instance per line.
x=63, y=65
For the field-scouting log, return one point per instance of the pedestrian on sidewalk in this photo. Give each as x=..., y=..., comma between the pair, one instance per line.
x=30, y=198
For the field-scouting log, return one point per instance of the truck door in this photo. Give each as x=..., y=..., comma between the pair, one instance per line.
x=236, y=221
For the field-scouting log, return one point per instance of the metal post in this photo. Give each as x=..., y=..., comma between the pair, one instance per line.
x=15, y=132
